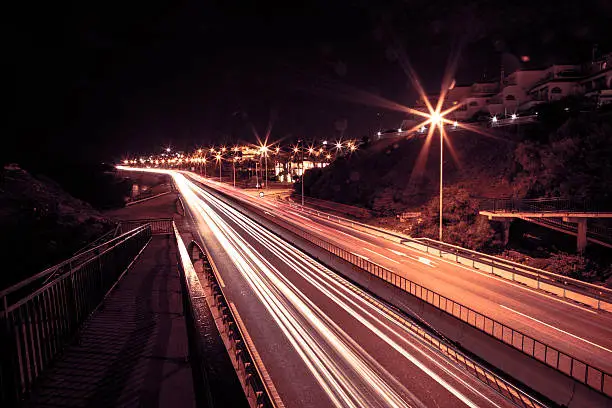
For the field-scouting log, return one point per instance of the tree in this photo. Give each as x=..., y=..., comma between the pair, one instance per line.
x=461, y=223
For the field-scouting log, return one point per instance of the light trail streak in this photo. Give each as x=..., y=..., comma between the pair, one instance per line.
x=346, y=372
x=326, y=370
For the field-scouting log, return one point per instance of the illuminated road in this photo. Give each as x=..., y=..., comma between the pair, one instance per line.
x=322, y=341
x=574, y=329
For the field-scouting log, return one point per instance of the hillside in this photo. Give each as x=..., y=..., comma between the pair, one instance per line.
x=380, y=177
x=41, y=224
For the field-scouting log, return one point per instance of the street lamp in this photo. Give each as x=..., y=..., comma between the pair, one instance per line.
x=234, y=168
x=301, y=148
x=264, y=150
x=218, y=156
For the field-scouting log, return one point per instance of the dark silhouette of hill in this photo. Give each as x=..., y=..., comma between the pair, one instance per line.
x=384, y=176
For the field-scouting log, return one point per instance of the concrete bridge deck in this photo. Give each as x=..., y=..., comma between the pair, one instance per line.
x=133, y=351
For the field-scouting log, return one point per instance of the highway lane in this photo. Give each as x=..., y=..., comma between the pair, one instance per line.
x=323, y=341
x=576, y=330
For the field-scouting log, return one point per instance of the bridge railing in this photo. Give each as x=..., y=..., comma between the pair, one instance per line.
x=539, y=205
x=36, y=326
x=209, y=294
x=159, y=226
x=577, y=369
x=596, y=296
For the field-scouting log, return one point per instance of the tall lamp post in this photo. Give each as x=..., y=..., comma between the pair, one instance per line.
x=219, y=161
x=441, y=167
x=234, y=168
x=301, y=144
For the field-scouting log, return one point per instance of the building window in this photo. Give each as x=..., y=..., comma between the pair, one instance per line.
x=473, y=103
x=556, y=90
x=510, y=98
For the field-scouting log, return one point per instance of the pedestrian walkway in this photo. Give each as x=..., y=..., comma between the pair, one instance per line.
x=133, y=351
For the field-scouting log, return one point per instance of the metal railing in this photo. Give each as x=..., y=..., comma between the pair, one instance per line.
x=35, y=327
x=237, y=344
x=561, y=285
x=505, y=388
x=579, y=370
x=159, y=226
x=542, y=205
x=594, y=230
x=492, y=379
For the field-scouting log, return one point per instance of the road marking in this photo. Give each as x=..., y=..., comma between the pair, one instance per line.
x=512, y=283
x=556, y=328
x=386, y=257
x=352, y=236
x=271, y=215
x=426, y=261
x=398, y=253
x=301, y=216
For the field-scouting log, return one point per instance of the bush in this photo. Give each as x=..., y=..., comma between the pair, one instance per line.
x=461, y=223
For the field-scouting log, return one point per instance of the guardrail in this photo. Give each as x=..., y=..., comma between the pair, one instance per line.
x=159, y=226
x=596, y=296
x=210, y=295
x=540, y=205
x=579, y=370
x=35, y=327
x=508, y=390
x=575, y=368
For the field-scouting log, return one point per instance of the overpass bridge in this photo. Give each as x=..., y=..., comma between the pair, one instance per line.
x=566, y=215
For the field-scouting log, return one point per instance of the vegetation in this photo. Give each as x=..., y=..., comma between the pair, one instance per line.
x=461, y=224
x=566, y=154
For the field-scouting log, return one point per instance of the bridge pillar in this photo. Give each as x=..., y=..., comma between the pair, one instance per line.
x=506, y=230
x=582, y=231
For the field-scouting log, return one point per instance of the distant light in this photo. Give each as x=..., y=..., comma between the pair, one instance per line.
x=320, y=150
x=277, y=149
x=379, y=133
x=310, y=150
x=494, y=119
x=423, y=128
x=295, y=149
x=353, y=147
x=455, y=124
x=525, y=58
x=325, y=142
x=126, y=162
x=223, y=149
x=339, y=145
x=212, y=149
x=566, y=109
x=168, y=149
x=399, y=130
x=200, y=151
x=513, y=116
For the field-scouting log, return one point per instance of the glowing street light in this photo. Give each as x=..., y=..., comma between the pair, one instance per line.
x=168, y=149
x=513, y=116
x=218, y=157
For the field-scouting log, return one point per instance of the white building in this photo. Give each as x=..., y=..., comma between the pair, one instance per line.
x=597, y=82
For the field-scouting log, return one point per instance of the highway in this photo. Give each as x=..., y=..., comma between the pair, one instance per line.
x=322, y=341
x=577, y=330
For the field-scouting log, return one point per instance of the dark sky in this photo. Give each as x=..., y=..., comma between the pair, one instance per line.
x=99, y=79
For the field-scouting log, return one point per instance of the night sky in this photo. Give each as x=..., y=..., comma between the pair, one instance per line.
x=96, y=80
